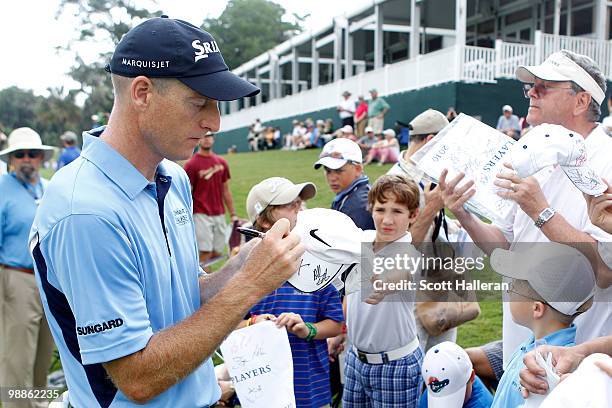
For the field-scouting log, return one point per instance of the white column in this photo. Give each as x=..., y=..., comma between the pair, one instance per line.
x=247, y=101
x=557, y=19
x=600, y=16
x=337, y=50
x=348, y=51
x=258, y=97
x=460, y=27
x=378, y=36
x=274, y=80
x=415, y=25
x=568, y=18
x=295, y=71
x=314, y=67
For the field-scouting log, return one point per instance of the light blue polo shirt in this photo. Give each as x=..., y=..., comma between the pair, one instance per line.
x=108, y=275
x=18, y=203
x=508, y=394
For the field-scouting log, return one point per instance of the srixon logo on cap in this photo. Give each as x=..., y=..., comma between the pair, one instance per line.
x=203, y=48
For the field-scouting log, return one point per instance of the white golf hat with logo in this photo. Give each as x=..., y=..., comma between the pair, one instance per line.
x=547, y=145
x=338, y=152
x=446, y=371
x=560, y=68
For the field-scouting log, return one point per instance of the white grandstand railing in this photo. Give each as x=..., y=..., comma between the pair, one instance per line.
x=508, y=56
x=478, y=64
x=467, y=63
x=425, y=70
x=600, y=51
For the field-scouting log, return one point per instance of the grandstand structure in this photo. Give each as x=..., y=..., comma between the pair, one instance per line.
x=418, y=54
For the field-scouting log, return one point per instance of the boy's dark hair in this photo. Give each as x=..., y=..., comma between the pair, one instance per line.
x=404, y=190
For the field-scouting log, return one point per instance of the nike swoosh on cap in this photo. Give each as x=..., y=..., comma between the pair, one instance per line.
x=312, y=234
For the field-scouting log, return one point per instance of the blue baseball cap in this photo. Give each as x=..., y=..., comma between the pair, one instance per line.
x=168, y=48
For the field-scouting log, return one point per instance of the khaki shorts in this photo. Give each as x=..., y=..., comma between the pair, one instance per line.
x=377, y=125
x=210, y=232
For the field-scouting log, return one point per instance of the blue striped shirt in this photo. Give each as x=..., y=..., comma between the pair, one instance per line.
x=310, y=361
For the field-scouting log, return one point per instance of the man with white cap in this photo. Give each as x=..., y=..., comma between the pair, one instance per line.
x=450, y=380
x=70, y=150
x=347, y=132
x=26, y=342
x=135, y=319
x=346, y=109
x=310, y=318
x=367, y=141
x=343, y=164
x=509, y=123
x=567, y=89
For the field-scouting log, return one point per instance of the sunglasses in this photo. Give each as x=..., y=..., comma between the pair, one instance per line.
x=32, y=154
x=541, y=89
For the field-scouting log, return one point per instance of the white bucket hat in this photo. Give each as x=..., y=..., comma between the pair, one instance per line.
x=547, y=145
x=25, y=139
x=276, y=191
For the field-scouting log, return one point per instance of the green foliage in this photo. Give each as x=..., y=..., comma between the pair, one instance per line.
x=50, y=116
x=248, y=28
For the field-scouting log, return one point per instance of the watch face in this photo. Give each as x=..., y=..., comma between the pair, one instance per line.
x=547, y=213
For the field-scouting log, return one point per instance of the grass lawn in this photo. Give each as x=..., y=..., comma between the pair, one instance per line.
x=247, y=169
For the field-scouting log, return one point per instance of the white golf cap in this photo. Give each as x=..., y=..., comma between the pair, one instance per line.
x=336, y=153
x=369, y=129
x=389, y=132
x=559, y=67
x=547, y=145
x=446, y=370
x=560, y=274
x=333, y=246
x=506, y=108
x=25, y=138
x=347, y=129
x=276, y=191
x=428, y=122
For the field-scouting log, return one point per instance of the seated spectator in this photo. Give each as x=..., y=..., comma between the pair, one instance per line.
x=310, y=318
x=347, y=132
x=450, y=380
x=551, y=285
x=509, y=123
x=386, y=150
x=366, y=142
x=70, y=150
x=269, y=141
x=329, y=126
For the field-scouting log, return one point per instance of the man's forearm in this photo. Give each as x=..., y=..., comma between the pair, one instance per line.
x=487, y=237
x=557, y=229
x=597, y=345
x=421, y=225
x=177, y=351
x=212, y=283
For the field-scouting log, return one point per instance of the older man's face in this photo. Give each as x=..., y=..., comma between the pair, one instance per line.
x=550, y=102
x=26, y=163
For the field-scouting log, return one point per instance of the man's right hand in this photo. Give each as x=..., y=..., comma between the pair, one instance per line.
x=455, y=197
x=565, y=361
x=274, y=259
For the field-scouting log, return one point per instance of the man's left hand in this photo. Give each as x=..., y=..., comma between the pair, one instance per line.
x=526, y=192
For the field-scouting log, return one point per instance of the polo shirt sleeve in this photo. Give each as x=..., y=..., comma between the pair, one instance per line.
x=330, y=306
x=384, y=104
x=226, y=171
x=2, y=221
x=98, y=272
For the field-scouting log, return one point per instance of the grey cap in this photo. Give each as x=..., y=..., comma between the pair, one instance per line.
x=69, y=136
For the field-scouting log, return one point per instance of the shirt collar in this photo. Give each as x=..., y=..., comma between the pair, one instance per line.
x=561, y=337
x=357, y=182
x=113, y=164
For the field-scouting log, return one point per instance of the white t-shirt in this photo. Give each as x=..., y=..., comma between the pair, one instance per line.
x=564, y=197
x=386, y=326
x=348, y=106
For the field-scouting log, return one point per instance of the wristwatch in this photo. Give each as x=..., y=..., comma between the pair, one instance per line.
x=544, y=216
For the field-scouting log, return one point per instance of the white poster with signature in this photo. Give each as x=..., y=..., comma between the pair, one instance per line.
x=260, y=365
x=469, y=146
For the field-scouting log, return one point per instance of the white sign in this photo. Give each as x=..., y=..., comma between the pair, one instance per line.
x=258, y=359
x=479, y=151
